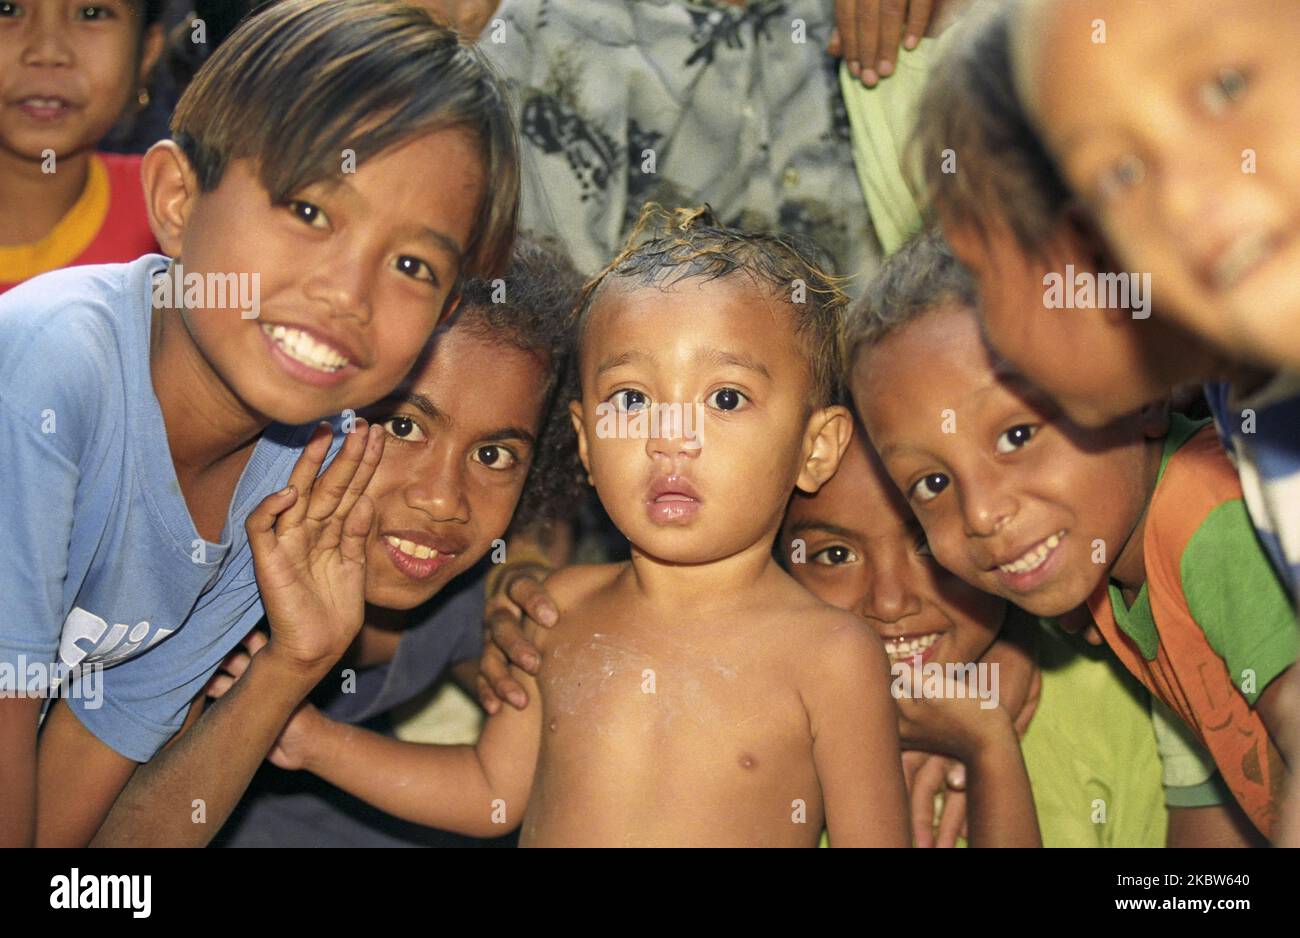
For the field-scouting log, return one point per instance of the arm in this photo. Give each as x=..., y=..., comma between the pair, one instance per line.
x=18, y=717
x=309, y=558
x=480, y=790
x=1000, y=804
x=855, y=740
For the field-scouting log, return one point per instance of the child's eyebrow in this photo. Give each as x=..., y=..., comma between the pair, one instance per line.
x=509, y=433
x=722, y=357
x=421, y=402
x=623, y=358
x=814, y=524
x=442, y=240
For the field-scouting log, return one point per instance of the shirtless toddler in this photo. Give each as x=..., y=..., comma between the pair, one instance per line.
x=694, y=695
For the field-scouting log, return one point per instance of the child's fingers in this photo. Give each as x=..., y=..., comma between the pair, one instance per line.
x=891, y=34
x=529, y=595
x=494, y=668
x=952, y=821
x=833, y=45
x=303, y=477
x=333, y=483
x=490, y=701
x=869, y=39
x=927, y=783
x=918, y=21
x=219, y=684
x=370, y=457
x=255, y=641
x=504, y=624
x=260, y=523
x=846, y=23
x=356, y=531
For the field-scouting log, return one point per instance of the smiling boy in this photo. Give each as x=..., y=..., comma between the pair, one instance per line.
x=139, y=436
x=1142, y=522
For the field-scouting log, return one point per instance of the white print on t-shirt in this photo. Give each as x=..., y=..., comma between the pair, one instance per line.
x=120, y=643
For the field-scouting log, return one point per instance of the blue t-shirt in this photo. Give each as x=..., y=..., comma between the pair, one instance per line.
x=102, y=564
x=1261, y=434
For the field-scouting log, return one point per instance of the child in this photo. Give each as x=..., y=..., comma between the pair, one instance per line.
x=1144, y=524
x=139, y=426
x=1190, y=172
x=479, y=414
x=1013, y=222
x=1090, y=736
x=67, y=73
x=695, y=694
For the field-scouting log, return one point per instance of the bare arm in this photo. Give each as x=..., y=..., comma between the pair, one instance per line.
x=480, y=790
x=855, y=741
x=206, y=771
x=18, y=717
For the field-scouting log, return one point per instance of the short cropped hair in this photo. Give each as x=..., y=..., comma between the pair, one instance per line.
x=919, y=277
x=666, y=248
x=300, y=81
x=969, y=106
x=537, y=315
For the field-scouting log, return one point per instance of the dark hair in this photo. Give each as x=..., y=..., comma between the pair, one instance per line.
x=969, y=107
x=920, y=276
x=150, y=11
x=536, y=315
x=665, y=248
x=300, y=81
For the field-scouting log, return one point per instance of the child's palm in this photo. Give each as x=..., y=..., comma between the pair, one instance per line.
x=309, y=549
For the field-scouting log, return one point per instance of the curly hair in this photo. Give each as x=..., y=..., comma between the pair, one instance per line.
x=667, y=247
x=536, y=315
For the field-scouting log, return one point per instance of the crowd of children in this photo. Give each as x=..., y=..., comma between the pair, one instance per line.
x=741, y=536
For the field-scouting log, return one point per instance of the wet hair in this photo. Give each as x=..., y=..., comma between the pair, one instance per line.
x=536, y=315
x=300, y=81
x=969, y=106
x=666, y=248
x=919, y=277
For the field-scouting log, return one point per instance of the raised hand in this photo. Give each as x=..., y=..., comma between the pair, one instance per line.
x=309, y=549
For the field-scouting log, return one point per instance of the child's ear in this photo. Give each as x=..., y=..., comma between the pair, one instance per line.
x=451, y=304
x=170, y=190
x=580, y=428
x=829, y=431
x=151, y=47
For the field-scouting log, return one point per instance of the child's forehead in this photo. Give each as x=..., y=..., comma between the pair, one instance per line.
x=731, y=312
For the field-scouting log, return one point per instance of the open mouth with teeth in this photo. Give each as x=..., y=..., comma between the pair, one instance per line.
x=907, y=647
x=417, y=561
x=1034, y=558
x=44, y=108
x=305, y=350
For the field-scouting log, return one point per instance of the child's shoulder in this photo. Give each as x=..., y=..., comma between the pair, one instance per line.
x=822, y=632
x=1198, y=477
x=571, y=586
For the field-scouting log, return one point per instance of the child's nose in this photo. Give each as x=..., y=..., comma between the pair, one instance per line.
x=438, y=490
x=889, y=597
x=47, y=41
x=987, y=510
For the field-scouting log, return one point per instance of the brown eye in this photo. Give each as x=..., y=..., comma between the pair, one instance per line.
x=495, y=457
x=403, y=428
